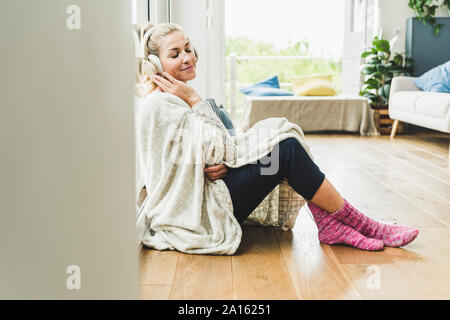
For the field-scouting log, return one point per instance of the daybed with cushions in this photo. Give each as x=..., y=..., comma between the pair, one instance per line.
x=314, y=106
x=430, y=108
x=312, y=114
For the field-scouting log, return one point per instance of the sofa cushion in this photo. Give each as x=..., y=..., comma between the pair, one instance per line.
x=315, y=87
x=433, y=104
x=406, y=100
x=268, y=87
x=265, y=91
x=436, y=80
x=298, y=81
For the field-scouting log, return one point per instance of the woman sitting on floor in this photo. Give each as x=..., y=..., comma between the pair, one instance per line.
x=182, y=139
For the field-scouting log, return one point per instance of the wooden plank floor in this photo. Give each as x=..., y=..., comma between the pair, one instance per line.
x=406, y=179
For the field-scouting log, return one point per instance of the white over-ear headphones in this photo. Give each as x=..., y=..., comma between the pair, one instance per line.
x=153, y=58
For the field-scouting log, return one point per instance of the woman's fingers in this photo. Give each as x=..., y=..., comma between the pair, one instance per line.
x=163, y=86
x=168, y=76
x=215, y=168
x=217, y=177
x=217, y=174
x=162, y=80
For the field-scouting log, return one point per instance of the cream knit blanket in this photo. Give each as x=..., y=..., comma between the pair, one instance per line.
x=184, y=210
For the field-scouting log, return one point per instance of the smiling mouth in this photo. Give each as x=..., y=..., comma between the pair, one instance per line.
x=187, y=69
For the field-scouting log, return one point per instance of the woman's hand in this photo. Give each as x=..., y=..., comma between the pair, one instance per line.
x=216, y=172
x=171, y=85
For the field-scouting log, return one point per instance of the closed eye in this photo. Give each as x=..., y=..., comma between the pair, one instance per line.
x=187, y=50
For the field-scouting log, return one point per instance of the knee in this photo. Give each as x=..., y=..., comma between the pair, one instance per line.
x=287, y=150
x=288, y=144
x=291, y=149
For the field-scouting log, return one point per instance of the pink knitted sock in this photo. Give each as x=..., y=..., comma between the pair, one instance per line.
x=392, y=235
x=332, y=231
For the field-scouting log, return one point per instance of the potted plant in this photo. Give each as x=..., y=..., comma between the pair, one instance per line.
x=379, y=69
x=426, y=9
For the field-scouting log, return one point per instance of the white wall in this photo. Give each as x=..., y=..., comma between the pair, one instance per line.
x=393, y=16
x=67, y=189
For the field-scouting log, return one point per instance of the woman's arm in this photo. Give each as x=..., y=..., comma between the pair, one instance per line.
x=176, y=87
x=202, y=109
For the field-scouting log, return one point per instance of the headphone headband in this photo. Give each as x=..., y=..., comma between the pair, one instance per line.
x=145, y=38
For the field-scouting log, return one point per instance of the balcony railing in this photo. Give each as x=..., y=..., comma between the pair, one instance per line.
x=233, y=84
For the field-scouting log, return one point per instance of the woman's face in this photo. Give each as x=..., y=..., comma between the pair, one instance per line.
x=177, y=58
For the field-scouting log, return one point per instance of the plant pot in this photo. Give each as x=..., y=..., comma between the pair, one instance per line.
x=379, y=106
x=383, y=122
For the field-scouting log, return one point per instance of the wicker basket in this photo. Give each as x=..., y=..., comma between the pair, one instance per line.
x=383, y=123
x=290, y=203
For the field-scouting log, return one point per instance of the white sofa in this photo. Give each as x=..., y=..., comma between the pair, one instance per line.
x=409, y=104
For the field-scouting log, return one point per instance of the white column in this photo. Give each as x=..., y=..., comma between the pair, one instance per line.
x=353, y=47
x=141, y=13
x=159, y=12
x=215, y=21
x=233, y=86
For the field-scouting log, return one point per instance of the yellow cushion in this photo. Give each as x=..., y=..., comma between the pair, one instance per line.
x=301, y=80
x=315, y=87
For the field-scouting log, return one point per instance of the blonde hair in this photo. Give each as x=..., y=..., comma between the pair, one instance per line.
x=146, y=67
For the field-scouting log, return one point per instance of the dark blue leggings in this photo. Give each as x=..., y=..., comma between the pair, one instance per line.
x=250, y=184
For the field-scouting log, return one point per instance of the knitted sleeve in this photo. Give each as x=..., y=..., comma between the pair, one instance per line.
x=205, y=113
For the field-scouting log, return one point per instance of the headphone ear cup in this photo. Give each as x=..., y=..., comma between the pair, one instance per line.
x=156, y=62
x=195, y=52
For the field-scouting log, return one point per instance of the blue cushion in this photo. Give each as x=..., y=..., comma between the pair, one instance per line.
x=223, y=116
x=270, y=83
x=265, y=91
x=268, y=87
x=437, y=79
x=226, y=120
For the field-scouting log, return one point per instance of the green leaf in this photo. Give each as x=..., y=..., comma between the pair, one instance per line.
x=382, y=93
x=364, y=93
x=372, y=82
x=375, y=60
x=437, y=28
x=377, y=75
x=382, y=69
x=367, y=94
x=398, y=59
x=386, y=89
x=368, y=70
x=382, y=45
x=366, y=54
